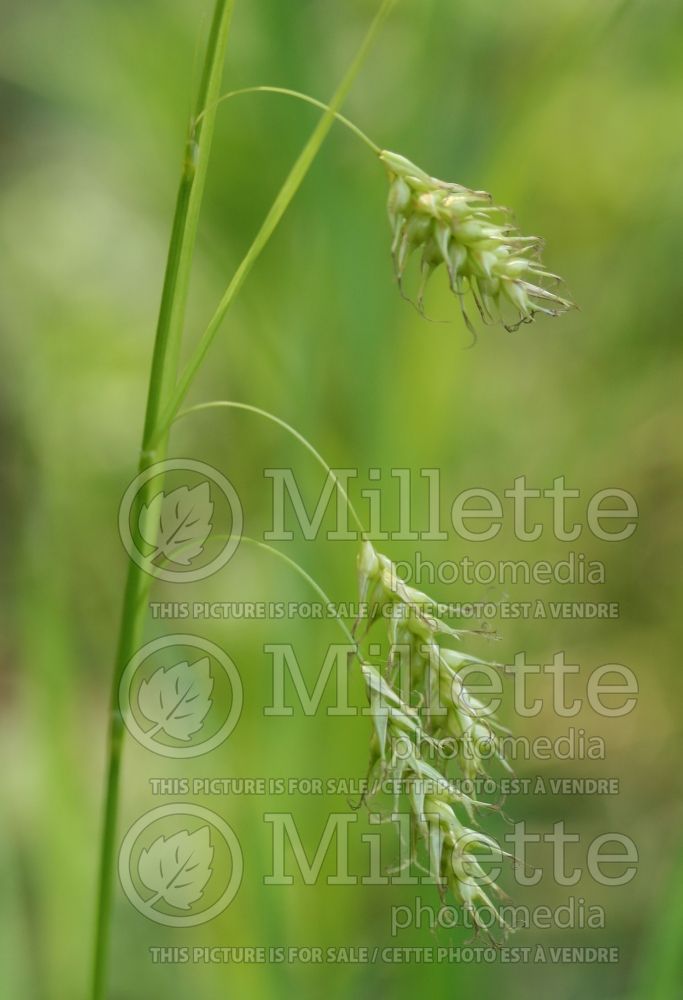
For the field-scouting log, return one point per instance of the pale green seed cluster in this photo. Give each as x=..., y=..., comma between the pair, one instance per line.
x=418, y=705
x=486, y=258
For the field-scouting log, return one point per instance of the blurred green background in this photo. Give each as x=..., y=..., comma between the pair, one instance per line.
x=570, y=113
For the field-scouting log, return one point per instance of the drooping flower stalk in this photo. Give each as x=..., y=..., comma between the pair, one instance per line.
x=407, y=742
x=486, y=258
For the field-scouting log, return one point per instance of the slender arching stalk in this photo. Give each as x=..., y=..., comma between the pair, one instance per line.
x=166, y=392
x=230, y=404
x=286, y=92
x=293, y=564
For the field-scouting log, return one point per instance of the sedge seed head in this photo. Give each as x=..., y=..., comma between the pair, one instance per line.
x=487, y=260
x=404, y=728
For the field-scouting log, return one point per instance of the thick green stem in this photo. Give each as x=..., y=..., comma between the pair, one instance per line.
x=162, y=378
x=184, y=232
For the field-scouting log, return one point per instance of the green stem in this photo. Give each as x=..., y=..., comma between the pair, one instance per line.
x=186, y=220
x=165, y=394
x=231, y=404
x=286, y=92
x=162, y=377
x=289, y=188
x=304, y=575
